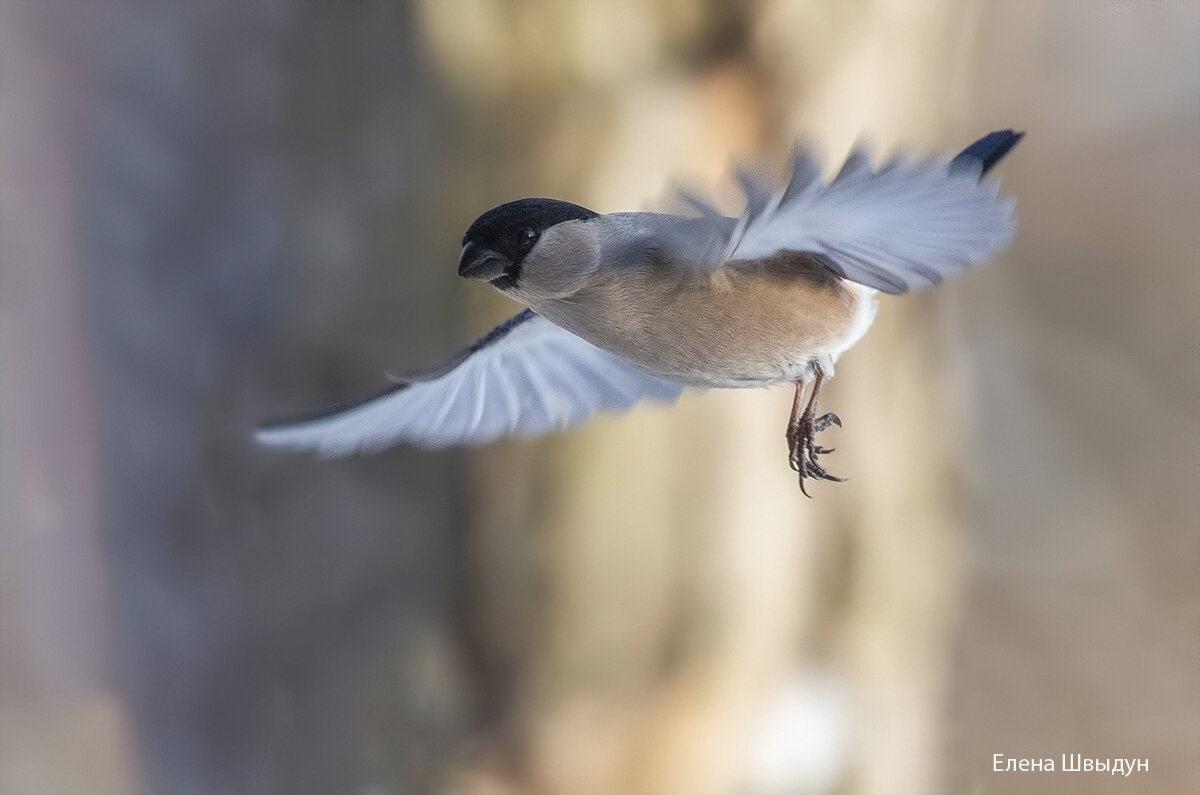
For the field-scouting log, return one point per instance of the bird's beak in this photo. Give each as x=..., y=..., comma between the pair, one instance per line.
x=477, y=262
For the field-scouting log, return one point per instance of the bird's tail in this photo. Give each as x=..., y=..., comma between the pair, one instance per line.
x=989, y=149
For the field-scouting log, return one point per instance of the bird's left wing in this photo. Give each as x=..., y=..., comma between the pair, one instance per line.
x=526, y=377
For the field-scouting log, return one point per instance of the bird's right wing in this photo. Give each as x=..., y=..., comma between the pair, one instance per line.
x=903, y=225
x=524, y=378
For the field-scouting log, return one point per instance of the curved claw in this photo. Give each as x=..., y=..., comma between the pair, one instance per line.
x=816, y=472
x=819, y=472
x=825, y=420
x=803, y=452
x=803, y=490
x=834, y=478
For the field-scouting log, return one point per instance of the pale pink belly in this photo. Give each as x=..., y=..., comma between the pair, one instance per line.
x=733, y=331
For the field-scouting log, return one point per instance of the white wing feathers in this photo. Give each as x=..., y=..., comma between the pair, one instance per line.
x=904, y=225
x=527, y=377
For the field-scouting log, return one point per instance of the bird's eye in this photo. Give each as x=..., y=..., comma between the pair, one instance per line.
x=526, y=237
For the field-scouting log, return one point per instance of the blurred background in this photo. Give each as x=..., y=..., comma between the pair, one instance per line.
x=217, y=213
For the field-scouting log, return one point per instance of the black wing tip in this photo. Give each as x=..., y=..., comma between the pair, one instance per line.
x=991, y=148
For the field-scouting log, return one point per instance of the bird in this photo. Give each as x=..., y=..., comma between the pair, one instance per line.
x=630, y=306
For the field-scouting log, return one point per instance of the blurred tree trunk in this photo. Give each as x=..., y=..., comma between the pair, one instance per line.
x=63, y=724
x=903, y=74
x=285, y=620
x=677, y=585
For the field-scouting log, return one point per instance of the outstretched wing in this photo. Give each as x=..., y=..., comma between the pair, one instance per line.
x=524, y=378
x=903, y=225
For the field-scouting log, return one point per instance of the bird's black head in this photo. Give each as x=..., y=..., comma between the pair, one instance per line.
x=496, y=244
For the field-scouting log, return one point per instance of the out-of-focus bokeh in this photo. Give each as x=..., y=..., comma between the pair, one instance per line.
x=215, y=213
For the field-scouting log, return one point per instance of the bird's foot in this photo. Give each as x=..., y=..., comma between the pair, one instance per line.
x=803, y=450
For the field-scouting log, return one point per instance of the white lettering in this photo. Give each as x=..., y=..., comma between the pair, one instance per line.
x=1070, y=763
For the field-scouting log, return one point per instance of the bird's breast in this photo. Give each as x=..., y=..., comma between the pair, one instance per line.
x=743, y=325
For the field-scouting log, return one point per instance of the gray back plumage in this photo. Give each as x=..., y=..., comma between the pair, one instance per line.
x=901, y=226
